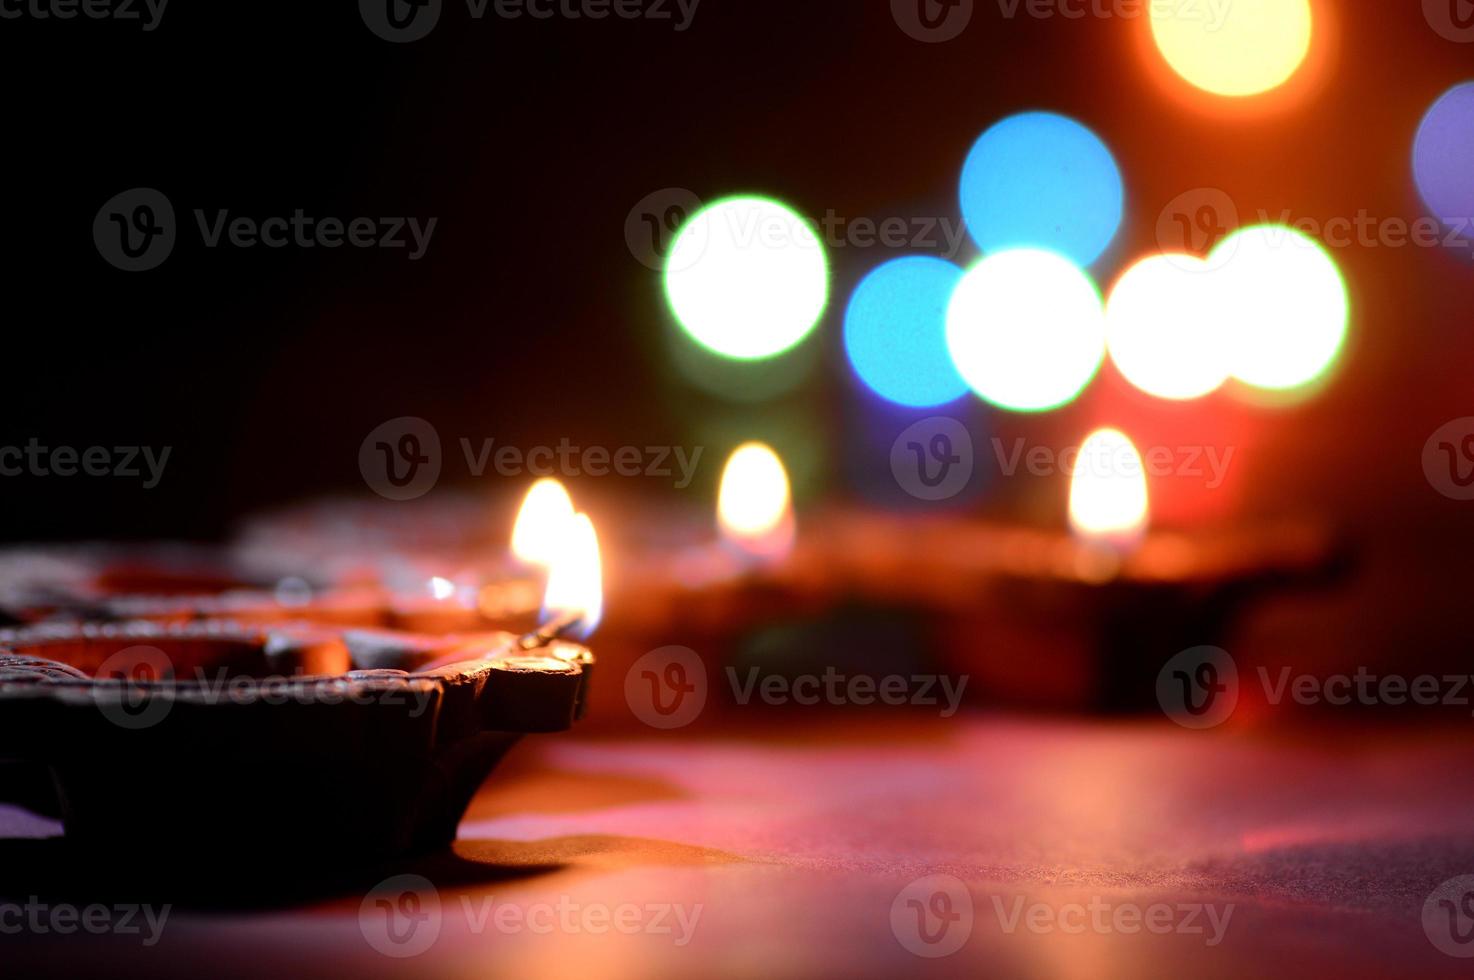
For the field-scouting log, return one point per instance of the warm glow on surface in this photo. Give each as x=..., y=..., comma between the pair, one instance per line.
x=1164, y=328
x=1284, y=305
x=1234, y=47
x=1108, y=496
x=747, y=278
x=541, y=523
x=576, y=579
x=1026, y=330
x=755, y=505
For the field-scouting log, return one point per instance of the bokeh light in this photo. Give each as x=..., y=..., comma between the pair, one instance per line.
x=747, y=278
x=1239, y=48
x=895, y=332
x=1026, y=330
x=744, y=382
x=1040, y=180
x=1443, y=156
x=1284, y=306
x=1164, y=328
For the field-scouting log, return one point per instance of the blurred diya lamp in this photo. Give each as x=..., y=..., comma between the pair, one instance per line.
x=758, y=587
x=1088, y=618
x=345, y=746
x=507, y=594
x=753, y=565
x=439, y=606
x=446, y=606
x=352, y=541
x=538, y=539
x=38, y=582
x=402, y=592
x=1075, y=619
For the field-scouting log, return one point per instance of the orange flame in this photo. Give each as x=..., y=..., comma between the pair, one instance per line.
x=576, y=578
x=1108, y=494
x=755, y=504
x=540, y=526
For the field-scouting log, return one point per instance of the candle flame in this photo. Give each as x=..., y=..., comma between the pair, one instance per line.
x=576, y=578
x=542, y=523
x=755, y=505
x=1108, y=495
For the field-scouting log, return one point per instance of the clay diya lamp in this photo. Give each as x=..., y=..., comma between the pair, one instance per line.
x=306, y=742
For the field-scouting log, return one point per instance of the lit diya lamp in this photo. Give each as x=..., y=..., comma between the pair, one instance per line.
x=1091, y=616
x=753, y=564
x=504, y=595
x=408, y=591
x=1077, y=618
x=338, y=747
x=755, y=506
x=763, y=591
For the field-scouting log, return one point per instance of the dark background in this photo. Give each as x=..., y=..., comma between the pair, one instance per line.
x=529, y=320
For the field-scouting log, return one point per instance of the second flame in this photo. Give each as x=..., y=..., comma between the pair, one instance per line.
x=755, y=504
x=1108, y=494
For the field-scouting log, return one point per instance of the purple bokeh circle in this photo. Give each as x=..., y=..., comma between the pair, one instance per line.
x=1443, y=156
